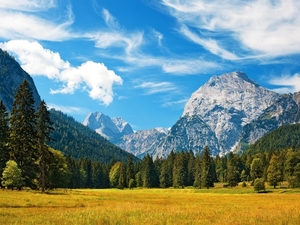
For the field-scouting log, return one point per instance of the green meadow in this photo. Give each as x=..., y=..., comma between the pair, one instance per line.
x=151, y=206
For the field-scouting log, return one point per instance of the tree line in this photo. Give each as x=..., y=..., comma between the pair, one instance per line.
x=27, y=161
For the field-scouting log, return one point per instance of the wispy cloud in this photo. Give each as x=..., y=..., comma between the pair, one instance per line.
x=19, y=23
x=68, y=109
x=110, y=20
x=287, y=83
x=256, y=28
x=170, y=103
x=95, y=78
x=156, y=87
x=27, y=5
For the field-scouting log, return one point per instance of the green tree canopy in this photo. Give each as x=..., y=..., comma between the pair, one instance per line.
x=11, y=176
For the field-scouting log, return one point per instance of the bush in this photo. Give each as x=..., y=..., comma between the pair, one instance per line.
x=259, y=184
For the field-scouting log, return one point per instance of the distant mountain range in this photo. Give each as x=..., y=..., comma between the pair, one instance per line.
x=71, y=137
x=227, y=113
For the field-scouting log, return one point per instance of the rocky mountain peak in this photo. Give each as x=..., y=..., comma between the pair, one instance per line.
x=224, y=104
x=111, y=129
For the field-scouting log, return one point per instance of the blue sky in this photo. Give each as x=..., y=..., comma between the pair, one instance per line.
x=142, y=60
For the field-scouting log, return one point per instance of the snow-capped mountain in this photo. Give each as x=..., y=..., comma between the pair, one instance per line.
x=227, y=113
x=216, y=114
x=111, y=129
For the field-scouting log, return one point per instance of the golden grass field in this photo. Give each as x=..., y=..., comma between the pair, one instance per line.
x=151, y=206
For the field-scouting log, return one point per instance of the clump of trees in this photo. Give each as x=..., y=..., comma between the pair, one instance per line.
x=27, y=160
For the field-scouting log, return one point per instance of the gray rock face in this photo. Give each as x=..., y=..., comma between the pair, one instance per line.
x=226, y=114
x=11, y=77
x=142, y=142
x=286, y=110
x=216, y=113
x=111, y=129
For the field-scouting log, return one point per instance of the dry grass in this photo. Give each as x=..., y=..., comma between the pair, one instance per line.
x=150, y=206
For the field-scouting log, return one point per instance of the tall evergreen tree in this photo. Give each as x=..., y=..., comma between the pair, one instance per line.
x=190, y=169
x=122, y=182
x=4, y=134
x=129, y=170
x=206, y=169
x=180, y=170
x=44, y=126
x=23, y=136
x=232, y=170
x=149, y=175
x=198, y=169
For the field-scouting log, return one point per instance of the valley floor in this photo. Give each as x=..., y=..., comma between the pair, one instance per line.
x=151, y=206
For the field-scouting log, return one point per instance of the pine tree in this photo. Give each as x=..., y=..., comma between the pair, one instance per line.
x=198, y=169
x=149, y=175
x=232, y=171
x=129, y=170
x=11, y=176
x=44, y=126
x=4, y=134
x=180, y=170
x=206, y=169
x=190, y=169
x=274, y=173
x=122, y=178
x=23, y=136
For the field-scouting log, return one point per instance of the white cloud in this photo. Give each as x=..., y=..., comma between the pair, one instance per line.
x=27, y=5
x=180, y=102
x=110, y=20
x=188, y=66
x=68, y=109
x=209, y=44
x=287, y=83
x=266, y=28
x=90, y=76
x=19, y=24
x=157, y=87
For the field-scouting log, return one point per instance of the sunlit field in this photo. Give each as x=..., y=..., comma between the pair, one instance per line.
x=151, y=206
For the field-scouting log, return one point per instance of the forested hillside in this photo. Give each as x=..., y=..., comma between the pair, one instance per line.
x=282, y=138
x=79, y=141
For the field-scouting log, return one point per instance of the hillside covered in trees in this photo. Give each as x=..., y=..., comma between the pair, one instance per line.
x=79, y=141
x=282, y=138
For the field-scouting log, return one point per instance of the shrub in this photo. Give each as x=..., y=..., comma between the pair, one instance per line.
x=259, y=184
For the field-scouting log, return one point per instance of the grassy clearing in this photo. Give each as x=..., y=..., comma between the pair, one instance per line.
x=151, y=206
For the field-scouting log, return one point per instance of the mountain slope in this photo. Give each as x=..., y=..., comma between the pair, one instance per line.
x=71, y=137
x=79, y=141
x=284, y=137
x=286, y=110
x=11, y=77
x=111, y=129
x=142, y=142
x=219, y=110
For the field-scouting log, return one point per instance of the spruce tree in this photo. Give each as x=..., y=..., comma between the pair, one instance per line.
x=180, y=170
x=44, y=126
x=4, y=134
x=23, y=136
x=149, y=175
x=206, y=169
x=129, y=170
